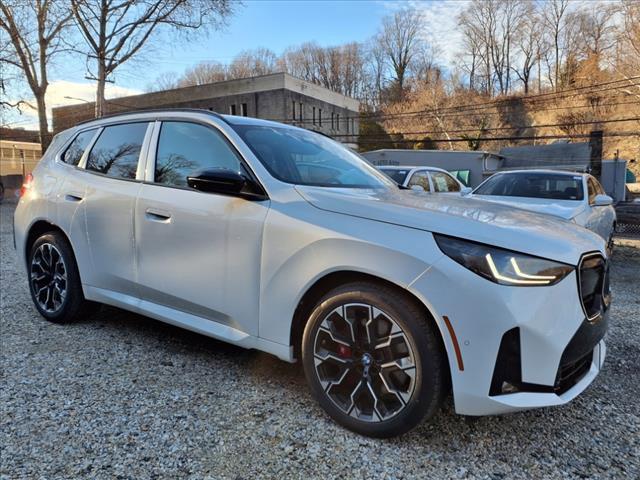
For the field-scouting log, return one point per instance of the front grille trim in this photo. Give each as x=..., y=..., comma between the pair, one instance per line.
x=603, y=294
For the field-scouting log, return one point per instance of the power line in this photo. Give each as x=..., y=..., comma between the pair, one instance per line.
x=518, y=127
x=494, y=103
x=494, y=139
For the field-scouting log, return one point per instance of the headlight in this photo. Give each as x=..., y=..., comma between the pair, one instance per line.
x=503, y=266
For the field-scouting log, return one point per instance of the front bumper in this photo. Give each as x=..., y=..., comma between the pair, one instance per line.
x=558, y=356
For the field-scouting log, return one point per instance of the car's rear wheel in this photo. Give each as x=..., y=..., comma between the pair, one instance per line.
x=54, y=280
x=372, y=359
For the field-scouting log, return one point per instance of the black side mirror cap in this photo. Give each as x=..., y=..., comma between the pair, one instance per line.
x=226, y=182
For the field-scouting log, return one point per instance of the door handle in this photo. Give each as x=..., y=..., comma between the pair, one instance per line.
x=71, y=197
x=157, y=216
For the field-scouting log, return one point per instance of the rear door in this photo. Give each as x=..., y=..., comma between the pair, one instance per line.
x=113, y=180
x=198, y=252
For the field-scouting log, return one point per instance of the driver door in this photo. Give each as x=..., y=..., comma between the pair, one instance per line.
x=197, y=252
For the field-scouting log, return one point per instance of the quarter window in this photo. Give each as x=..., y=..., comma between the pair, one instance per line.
x=421, y=179
x=117, y=150
x=185, y=148
x=73, y=153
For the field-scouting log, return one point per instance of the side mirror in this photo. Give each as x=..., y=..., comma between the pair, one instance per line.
x=217, y=180
x=602, y=201
x=464, y=191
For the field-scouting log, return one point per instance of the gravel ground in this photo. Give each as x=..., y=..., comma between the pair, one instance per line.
x=119, y=395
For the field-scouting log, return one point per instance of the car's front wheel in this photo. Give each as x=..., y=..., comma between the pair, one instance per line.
x=372, y=359
x=54, y=280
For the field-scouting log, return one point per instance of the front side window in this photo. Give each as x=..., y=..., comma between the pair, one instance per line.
x=421, y=179
x=302, y=157
x=444, y=183
x=397, y=175
x=73, y=153
x=117, y=150
x=533, y=185
x=185, y=148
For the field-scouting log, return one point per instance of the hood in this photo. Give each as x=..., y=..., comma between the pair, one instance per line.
x=469, y=218
x=566, y=209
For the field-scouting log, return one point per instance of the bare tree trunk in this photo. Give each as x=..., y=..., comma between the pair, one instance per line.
x=43, y=123
x=100, y=102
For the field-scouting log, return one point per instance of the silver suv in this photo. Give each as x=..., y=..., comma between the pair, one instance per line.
x=272, y=237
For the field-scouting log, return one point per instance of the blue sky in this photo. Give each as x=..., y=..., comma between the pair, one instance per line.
x=274, y=24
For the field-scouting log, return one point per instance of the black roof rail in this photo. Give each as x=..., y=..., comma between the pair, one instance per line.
x=155, y=110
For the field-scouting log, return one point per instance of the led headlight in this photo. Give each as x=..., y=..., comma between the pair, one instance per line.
x=503, y=266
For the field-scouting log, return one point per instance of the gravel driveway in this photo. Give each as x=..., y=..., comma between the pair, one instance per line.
x=122, y=396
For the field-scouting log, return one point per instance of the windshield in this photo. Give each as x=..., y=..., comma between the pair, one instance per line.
x=306, y=158
x=396, y=174
x=533, y=185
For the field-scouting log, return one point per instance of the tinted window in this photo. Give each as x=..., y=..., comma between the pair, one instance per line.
x=398, y=176
x=73, y=153
x=117, y=150
x=287, y=153
x=444, y=183
x=421, y=179
x=533, y=185
x=185, y=148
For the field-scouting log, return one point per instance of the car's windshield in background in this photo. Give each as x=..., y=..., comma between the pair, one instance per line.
x=306, y=158
x=396, y=174
x=533, y=185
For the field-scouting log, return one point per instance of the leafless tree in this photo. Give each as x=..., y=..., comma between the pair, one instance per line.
x=203, y=73
x=251, y=63
x=34, y=29
x=164, y=81
x=400, y=39
x=527, y=48
x=554, y=18
x=116, y=31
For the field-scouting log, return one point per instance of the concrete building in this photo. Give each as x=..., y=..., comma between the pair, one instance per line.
x=277, y=96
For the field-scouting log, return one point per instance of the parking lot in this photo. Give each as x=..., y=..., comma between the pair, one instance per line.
x=122, y=396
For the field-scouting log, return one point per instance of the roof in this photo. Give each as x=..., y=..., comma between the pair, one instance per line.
x=239, y=86
x=410, y=167
x=568, y=173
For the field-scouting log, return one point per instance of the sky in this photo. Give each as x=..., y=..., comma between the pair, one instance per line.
x=274, y=24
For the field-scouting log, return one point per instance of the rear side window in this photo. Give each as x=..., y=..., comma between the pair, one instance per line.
x=73, y=153
x=185, y=148
x=117, y=150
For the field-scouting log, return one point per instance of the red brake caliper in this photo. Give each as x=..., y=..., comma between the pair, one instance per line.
x=344, y=351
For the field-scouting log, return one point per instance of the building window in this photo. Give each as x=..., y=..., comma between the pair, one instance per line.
x=243, y=109
x=314, y=115
x=300, y=115
x=346, y=121
x=232, y=109
x=333, y=120
x=337, y=121
x=320, y=116
x=353, y=125
x=293, y=112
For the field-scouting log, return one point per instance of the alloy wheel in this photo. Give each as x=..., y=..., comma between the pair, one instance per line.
x=48, y=277
x=364, y=362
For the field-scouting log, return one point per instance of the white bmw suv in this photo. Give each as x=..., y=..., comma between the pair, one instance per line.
x=279, y=239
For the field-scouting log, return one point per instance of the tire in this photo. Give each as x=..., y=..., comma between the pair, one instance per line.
x=339, y=357
x=54, y=281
